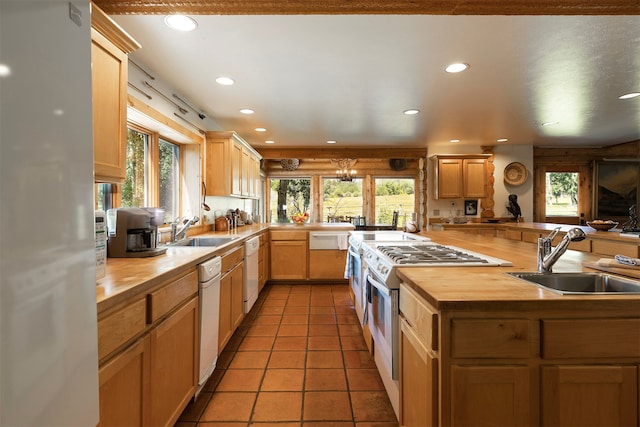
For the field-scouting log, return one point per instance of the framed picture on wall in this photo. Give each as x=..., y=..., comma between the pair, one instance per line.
x=617, y=188
x=471, y=207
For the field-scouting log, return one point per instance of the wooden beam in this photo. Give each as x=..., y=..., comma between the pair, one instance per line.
x=343, y=153
x=379, y=7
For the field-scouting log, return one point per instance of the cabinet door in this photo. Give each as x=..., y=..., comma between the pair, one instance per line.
x=246, y=175
x=236, y=169
x=174, y=364
x=490, y=396
x=109, y=93
x=590, y=396
x=418, y=380
x=123, y=384
x=288, y=259
x=237, y=296
x=449, y=178
x=217, y=165
x=327, y=264
x=225, y=325
x=474, y=173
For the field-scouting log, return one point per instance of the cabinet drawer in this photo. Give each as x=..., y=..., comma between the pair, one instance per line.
x=231, y=258
x=608, y=247
x=167, y=298
x=590, y=338
x=531, y=237
x=513, y=235
x=119, y=327
x=490, y=338
x=421, y=318
x=288, y=235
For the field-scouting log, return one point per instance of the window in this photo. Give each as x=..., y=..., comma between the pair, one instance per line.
x=394, y=194
x=135, y=188
x=562, y=194
x=341, y=199
x=169, y=179
x=288, y=197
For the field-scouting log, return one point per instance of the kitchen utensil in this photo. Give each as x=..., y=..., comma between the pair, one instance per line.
x=204, y=196
x=222, y=223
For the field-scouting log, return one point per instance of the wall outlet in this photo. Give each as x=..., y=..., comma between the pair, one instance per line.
x=436, y=212
x=452, y=204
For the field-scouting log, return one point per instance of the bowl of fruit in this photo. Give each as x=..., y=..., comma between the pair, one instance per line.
x=300, y=218
x=601, y=225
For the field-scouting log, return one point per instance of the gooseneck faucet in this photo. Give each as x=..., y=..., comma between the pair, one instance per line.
x=186, y=223
x=547, y=256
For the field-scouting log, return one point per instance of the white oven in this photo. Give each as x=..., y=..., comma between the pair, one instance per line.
x=356, y=282
x=383, y=311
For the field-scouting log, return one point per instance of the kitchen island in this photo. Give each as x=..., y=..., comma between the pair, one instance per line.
x=479, y=347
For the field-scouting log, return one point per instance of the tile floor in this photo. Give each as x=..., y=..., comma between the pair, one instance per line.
x=297, y=360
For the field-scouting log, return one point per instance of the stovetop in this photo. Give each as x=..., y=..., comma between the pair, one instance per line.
x=428, y=254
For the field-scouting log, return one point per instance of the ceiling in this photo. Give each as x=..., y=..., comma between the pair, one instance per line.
x=348, y=78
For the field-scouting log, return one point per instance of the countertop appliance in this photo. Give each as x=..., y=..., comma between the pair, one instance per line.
x=251, y=255
x=132, y=233
x=48, y=311
x=209, y=293
x=381, y=285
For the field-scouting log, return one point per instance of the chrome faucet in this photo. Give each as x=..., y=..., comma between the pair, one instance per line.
x=186, y=223
x=548, y=257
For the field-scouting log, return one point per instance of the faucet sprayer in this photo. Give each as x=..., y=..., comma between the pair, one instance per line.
x=548, y=257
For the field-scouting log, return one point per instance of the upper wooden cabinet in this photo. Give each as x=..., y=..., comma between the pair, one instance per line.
x=110, y=46
x=458, y=176
x=231, y=166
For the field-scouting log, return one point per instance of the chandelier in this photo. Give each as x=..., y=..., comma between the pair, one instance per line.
x=345, y=171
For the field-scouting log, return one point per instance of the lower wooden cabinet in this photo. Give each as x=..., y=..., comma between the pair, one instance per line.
x=576, y=396
x=231, y=295
x=288, y=259
x=327, y=264
x=124, y=387
x=173, y=364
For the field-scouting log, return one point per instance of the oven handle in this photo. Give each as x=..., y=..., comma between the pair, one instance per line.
x=379, y=286
x=353, y=253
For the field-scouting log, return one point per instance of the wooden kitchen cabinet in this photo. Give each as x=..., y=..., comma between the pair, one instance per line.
x=263, y=260
x=229, y=165
x=460, y=176
x=231, y=294
x=327, y=264
x=110, y=46
x=288, y=253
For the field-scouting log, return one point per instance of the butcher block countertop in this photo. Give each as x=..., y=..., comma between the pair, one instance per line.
x=488, y=288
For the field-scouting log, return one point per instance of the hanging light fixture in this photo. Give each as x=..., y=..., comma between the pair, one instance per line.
x=345, y=171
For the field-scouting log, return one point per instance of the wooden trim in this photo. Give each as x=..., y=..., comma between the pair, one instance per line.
x=401, y=7
x=112, y=31
x=350, y=153
x=157, y=116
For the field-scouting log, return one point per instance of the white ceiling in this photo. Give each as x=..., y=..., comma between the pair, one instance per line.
x=349, y=77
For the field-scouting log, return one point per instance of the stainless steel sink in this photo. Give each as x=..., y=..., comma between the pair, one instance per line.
x=581, y=283
x=204, y=241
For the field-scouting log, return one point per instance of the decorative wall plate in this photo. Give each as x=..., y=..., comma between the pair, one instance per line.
x=515, y=173
x=290, y=164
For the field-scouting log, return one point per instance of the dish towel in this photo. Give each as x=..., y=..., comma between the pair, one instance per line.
x=622, y=259
x=347, y=268
x=343, y=241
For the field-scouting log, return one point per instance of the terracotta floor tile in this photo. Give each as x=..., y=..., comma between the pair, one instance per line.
x=327, y=405
x=364, y=379
x=268, y=319
x=301, y=289
x=273, y=302
x=290, y=343
x=293, y=330
x=353, y=343
x=278, y=406
x=322, y=301
x=229, y=407
x=377, y=424
x=372, y=406
x=348, y=330
x=250, y=360
x=283, y=380
x=241, y=380
x=301, y=300
x=329, y=424
x=324, y=360
x=296, y=309
x=320, y=330
x=322, y=319
x=262, y=331
x=293, y=424
x=358, y=360
x=295, y=319
x=256, y=343
x=325, y=379
x=347, y=319
x=324, y=343
x=322, y=309
x=287, y=359
x=224, y=424
x=271, y=310
x=344, y=309
x=278, y=295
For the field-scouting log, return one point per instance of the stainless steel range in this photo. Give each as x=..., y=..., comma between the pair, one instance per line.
x=381, y=284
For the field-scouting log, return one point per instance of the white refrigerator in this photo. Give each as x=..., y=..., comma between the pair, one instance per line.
x=48, y=326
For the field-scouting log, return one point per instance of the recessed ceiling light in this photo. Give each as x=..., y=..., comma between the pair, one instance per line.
x=411, y=112
x=456, y=67
x=331, y=142
x=550, y=123
x=225, y=81
x=5, y=71
x=629, y=95
x=247, y=111
x=260, y=129
x=180, y=22
x=269, y=142
x=454, y=140
x=502, y=140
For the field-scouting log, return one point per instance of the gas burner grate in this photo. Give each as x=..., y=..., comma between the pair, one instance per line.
x=427, y=254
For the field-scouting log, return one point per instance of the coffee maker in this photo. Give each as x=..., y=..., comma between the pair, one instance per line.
x=133, y=233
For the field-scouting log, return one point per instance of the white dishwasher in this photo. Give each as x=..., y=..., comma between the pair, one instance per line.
x=209, y=278
x=251, y=255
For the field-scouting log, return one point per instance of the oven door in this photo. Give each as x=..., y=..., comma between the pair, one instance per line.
x=383, y=313
x=356, y=283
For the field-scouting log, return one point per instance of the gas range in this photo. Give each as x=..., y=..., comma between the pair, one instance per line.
x=384, y=257
x=356, y=238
